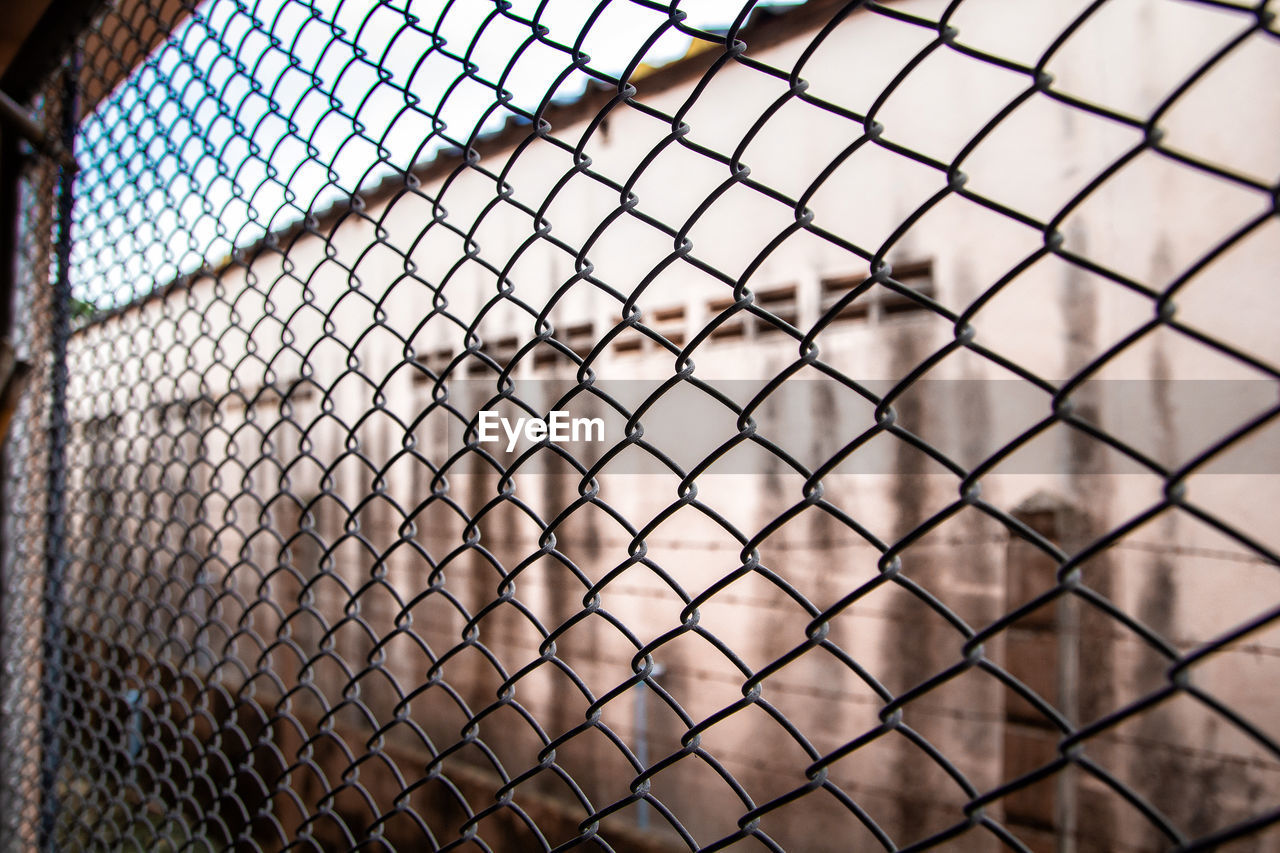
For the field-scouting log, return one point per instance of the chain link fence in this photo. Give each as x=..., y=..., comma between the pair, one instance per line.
x=649, y=426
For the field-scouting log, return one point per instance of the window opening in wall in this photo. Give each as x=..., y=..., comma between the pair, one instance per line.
x=669, y=322
x=436, y=362
x=778, y=301
x=732, y=329
x=579, y=338
x=270, y=396
x=781, y=303
x=501, y=351
x=834, y=289
x=879, y=301
x=625, y=346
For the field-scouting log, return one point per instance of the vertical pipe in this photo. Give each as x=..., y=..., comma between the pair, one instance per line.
x=55, y=517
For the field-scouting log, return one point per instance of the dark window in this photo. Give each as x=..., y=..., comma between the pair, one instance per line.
x=436, y=361
x=579, y=338
x=878, y=301
x=501, y=351
x=733, y=328
x=668, y=322
x=778, y=301
x=781, y=303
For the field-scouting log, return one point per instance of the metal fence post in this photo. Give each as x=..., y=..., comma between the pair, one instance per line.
x=55, y=518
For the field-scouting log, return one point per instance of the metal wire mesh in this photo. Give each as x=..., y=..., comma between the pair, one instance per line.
x=934, y=353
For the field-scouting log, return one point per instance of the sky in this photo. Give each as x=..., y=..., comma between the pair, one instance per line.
x=253, y=113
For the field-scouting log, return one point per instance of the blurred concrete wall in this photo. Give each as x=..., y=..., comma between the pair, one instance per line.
x=265, y=503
